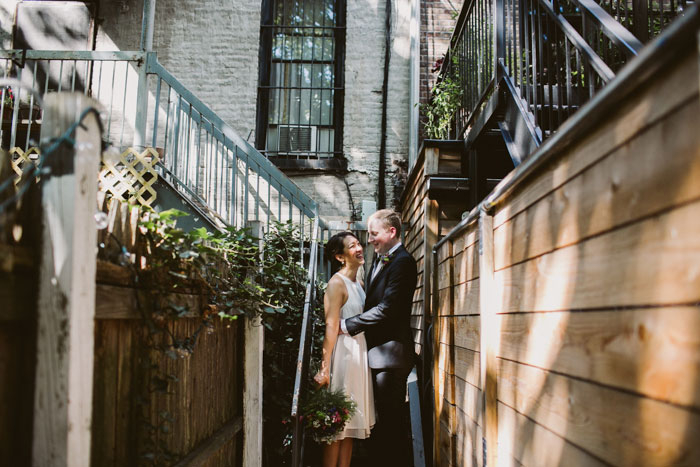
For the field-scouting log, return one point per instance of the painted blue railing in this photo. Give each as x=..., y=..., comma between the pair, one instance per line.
x=145, y=105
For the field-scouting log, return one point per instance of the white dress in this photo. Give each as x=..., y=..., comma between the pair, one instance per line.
x=350, y=368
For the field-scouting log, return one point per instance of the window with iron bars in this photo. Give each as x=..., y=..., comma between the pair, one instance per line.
x=300, y=94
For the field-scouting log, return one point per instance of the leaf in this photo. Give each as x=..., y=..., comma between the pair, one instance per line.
x=200, y=233
x=169, y=213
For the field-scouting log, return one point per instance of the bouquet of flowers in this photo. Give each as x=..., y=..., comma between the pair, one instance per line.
x=325, y=413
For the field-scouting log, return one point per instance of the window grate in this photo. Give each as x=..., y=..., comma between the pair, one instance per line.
x=301, y=89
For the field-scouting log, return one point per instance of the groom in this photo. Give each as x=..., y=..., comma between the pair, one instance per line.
x=390, y=285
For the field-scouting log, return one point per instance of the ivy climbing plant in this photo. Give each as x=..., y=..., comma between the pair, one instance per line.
x=239, y=278
x=445, y=99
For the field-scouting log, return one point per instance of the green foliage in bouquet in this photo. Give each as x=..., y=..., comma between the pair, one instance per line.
x=325, y=414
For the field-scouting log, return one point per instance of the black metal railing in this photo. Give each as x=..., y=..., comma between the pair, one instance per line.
x=644, y=18
x=471, y=58
x=553, y=55
x=558, y=54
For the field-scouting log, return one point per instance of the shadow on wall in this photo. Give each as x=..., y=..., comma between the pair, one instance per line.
x=54, y=26
x=596, y=266
x=599, y=352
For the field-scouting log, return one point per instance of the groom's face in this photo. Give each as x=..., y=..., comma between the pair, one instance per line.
x=381, y=237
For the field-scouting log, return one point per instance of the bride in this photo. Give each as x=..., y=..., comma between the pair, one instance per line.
x=344, y=365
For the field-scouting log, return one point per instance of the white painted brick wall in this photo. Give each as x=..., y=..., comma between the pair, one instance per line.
x=7, y=16
x=212, y=46
x=364, y=68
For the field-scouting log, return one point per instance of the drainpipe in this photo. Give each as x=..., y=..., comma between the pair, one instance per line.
x=147, y=24
x=414, y=86
x=381, y=185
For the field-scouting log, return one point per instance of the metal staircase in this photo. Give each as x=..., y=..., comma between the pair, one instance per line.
x=203, y=165
x=526, y=66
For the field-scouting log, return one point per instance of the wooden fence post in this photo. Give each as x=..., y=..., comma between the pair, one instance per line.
x=66, y=306
x=437, y=397
x=489, y=339
x=254, y=341
x=430, y=297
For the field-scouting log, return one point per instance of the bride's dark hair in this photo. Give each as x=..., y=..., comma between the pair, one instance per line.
x=336, y=246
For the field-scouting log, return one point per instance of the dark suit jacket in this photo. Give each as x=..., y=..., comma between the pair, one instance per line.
x=386, y=320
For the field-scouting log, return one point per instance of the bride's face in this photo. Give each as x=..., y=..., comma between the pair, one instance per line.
x=352, y=253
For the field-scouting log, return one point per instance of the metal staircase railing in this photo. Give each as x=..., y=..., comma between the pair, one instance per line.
x=645, y=18
x=145, y=105
x=552, y=56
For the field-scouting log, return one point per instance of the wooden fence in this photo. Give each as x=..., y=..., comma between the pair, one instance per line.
x=428, y=212
x=164, y=403
x=567, y=319
x=18, y=291
x=150, y=403
x=135, y=417
x=424, y=219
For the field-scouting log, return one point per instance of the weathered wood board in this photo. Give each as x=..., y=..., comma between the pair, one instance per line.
x=596, y=292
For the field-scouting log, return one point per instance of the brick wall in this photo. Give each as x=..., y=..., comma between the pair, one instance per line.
x=364, y=68
x=211, y=46
x=438, y=19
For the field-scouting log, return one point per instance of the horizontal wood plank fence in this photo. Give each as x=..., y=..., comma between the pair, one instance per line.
x=424, y=220
x=567, y=320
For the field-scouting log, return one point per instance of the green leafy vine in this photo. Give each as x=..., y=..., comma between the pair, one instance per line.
x=238, y=278
x=445, y=99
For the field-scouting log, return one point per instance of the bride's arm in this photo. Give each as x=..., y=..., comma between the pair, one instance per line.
x=336, y=295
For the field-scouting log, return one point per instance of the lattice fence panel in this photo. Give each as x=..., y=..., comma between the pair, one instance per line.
x=23, y=160
x=131, y=176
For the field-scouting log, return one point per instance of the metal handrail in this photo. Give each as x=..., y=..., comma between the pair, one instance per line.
x=79, y=55
x=230, y=138
x=579, y=42
x=549, y=60
x=302, y=365
x=614, y=30
x=206, y=160
x=645, y=19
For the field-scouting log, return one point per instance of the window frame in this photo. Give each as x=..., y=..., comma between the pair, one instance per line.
x=338, y=161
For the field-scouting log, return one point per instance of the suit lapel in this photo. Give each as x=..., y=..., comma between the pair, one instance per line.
x=371, y=282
